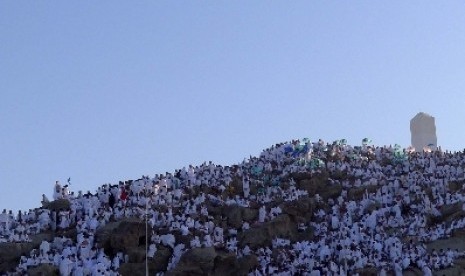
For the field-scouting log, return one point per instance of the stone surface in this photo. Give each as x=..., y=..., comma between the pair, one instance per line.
x=196, y=261
x=210, y=261
x=261, y=235
x=10, y=253
x=57, y=205
x=128, y=234
x=423, y=131
x=43, y=270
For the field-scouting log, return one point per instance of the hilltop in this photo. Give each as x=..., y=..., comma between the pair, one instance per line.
x=298, y=207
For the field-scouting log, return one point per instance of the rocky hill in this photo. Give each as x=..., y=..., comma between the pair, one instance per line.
x=299, y=207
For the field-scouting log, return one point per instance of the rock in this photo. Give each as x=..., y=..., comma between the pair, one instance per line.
x=301, y=176
x=455, y=186
x=10, y=253
x=209, y=261
x=233, y=213
x=456, y=242
x=226, y=264
x=300, y=210
x=196, y=261
x=57, y=205
x=43, y=270
x=451, y=271
x=136, y=254
x=368, y=271
x=160, y=259
x=247, y=263
x=132, y=269
x=311, y=186
x=103, y=236
x=411, y=271
x=319, y=184
x=331, y=191
x=155, y=265
x=249, y=214
x=214, y=210
x=130, y=233
x=261, y=235
x=448, y=210
x=357, y=193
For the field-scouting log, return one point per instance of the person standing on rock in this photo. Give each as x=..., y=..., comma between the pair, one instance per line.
x=246, y=187
x=262, y=214
x=57, y=194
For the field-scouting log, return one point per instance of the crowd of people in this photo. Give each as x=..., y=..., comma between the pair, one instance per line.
x=387, y=228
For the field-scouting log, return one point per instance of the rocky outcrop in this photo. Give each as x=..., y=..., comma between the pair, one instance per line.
x=357, y=193
x=128, y=236
x=261, y=235
x=11, y=252
x=43, y=270
x=209, y=261
x=57, y=205
x=300, y=210
x=318, y=184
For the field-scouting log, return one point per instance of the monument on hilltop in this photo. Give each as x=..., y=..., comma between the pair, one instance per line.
x=423, y=131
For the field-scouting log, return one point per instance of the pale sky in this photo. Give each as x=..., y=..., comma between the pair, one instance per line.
x=113, y=90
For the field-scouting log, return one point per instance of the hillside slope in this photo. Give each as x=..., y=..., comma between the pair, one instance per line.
x=298, y=207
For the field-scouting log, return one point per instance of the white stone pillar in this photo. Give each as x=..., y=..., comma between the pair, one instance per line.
x=423, y=131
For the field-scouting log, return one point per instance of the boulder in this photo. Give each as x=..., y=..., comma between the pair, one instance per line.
x=300, y=210
x=196, y=261
x=103, y=236
x=249, y=214
x=225, y=264
x=10, y=253
x=132, y=269
x=262, y=234
x=455, y=242
x=319, y=184
x=160, y=259
x=367, y=271
x=210, y=261
x=412, y=271
x=455, y=186
x=356, y=193
x=43, y=270
x=156, y=264
x=246, y=264
x=130, y=233
x=57, y=205
x=301, y=176
x=233, y=213
x=447, y=210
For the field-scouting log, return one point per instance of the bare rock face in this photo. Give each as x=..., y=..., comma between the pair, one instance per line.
x=57, y=205
x=234, y=215
x=10, y=253
x=43, y=269
x=261, y=235
x=103, y=236
x=209, y=261
x=155, y=265
x=423, y=131
x=196, y=261
x=300, y=210
x=318, y=184
x=128, y=235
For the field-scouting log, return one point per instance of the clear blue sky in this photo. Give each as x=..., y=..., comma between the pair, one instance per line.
x=111, y=90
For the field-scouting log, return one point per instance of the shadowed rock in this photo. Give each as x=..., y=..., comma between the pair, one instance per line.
x=43, y=270
x=262, y=234
x=10, y=252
